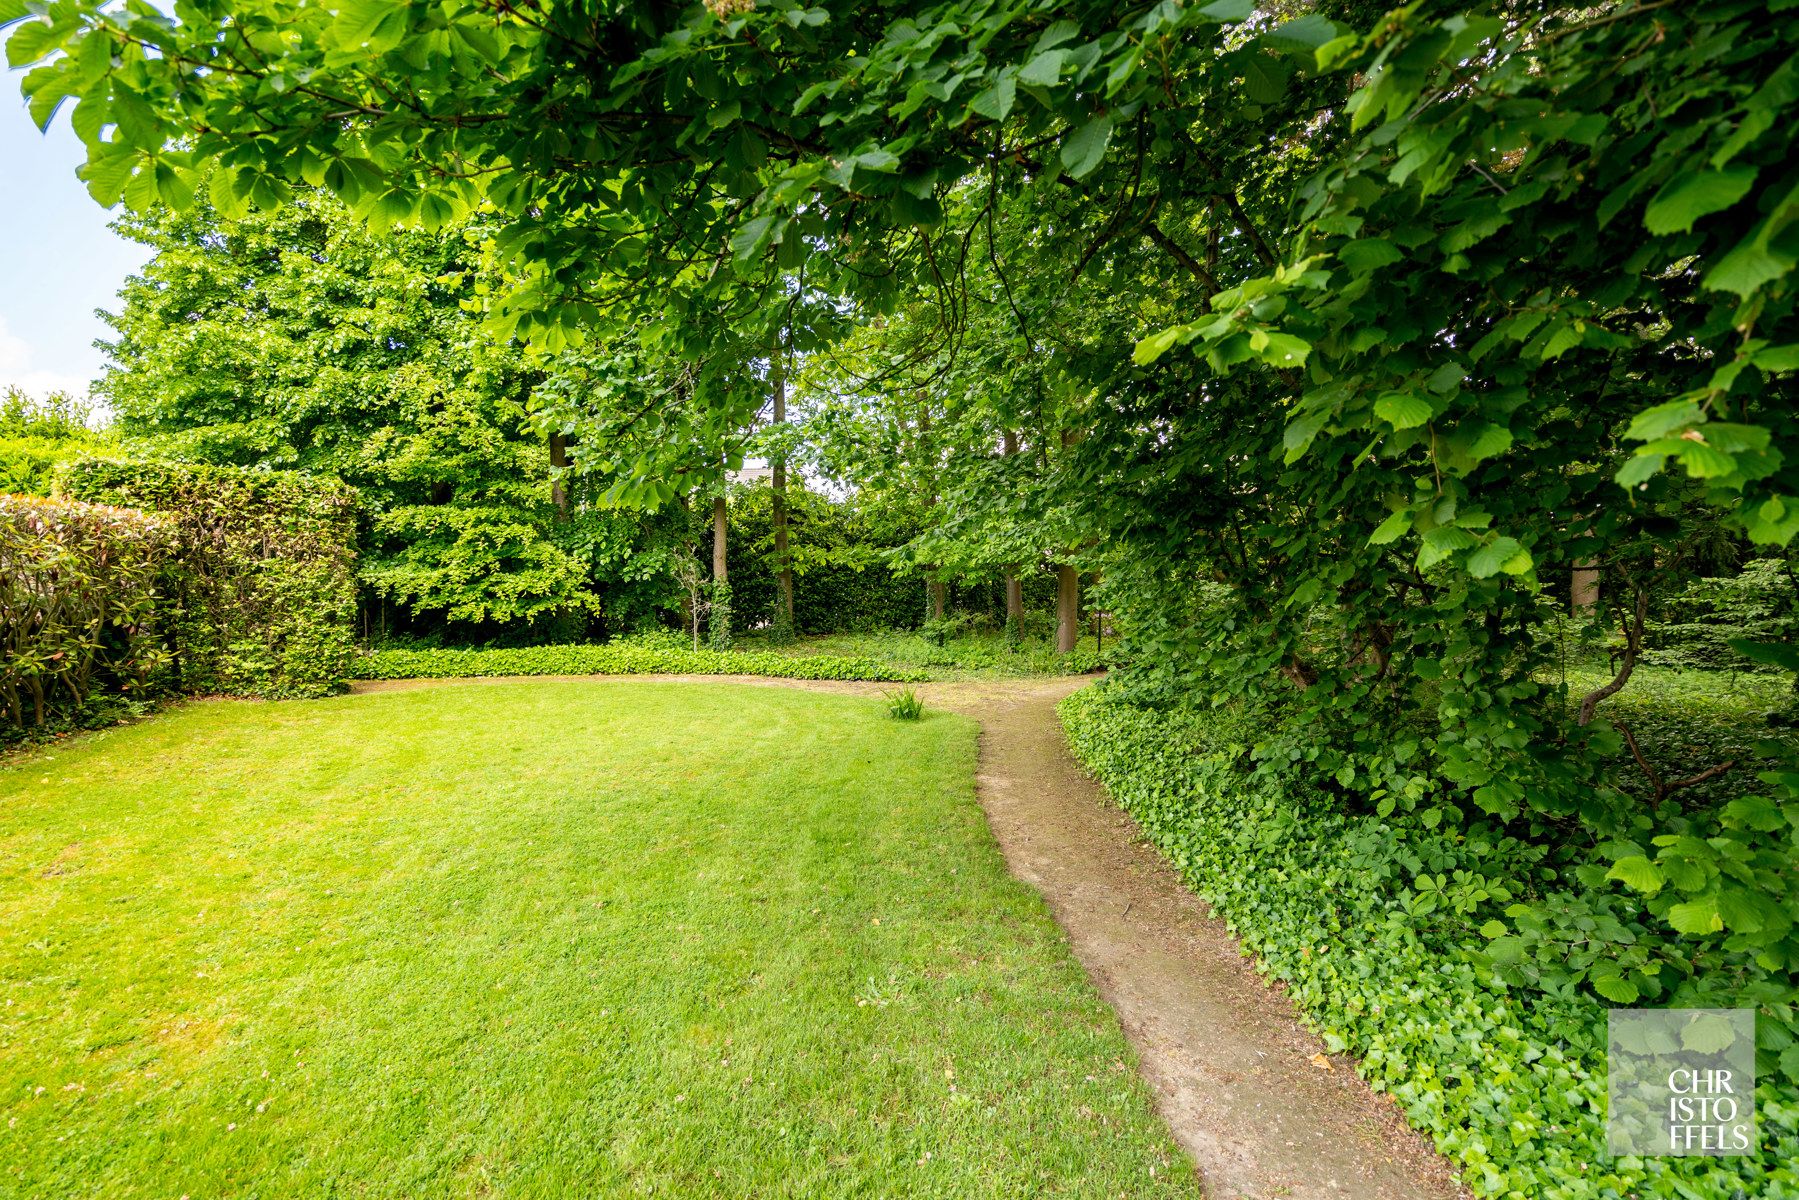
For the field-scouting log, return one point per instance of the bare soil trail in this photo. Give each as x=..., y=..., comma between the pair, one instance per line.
x=1245, y=1088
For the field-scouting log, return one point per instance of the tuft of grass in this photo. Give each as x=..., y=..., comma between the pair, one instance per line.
x=542, y=938
x=903, y=704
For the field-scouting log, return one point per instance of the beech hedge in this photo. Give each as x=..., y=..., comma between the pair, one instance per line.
x=1364, y=919
x=259, y=592
x=77, y=601
x=622, y=658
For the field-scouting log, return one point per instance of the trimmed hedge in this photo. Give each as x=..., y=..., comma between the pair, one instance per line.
x=259, y=596
x=621, y=658
x=1509, y=1081
x=77, y=597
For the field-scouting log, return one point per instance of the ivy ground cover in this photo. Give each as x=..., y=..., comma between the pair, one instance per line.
x=542, y=938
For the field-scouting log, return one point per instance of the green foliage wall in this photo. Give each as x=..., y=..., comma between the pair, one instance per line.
x=78, y=591
x=258, y=596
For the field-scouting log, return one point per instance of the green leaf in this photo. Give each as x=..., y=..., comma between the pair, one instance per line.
x=1663, y=419
x=1157, y=344
x=1297, y=436
x=996, y=101
x=1281, y=349
x=1367, y=254
x=1489, y=441
x=1637, y=872
x=137, y=121
x=1441, y=542
x=1305, y=33
x=1082, y=149
x=1500, y=554
x=1615, y=988
x=1749, y=265
x=29, y=43
x=1493, y=929
x=1777, y=358
x=174, y=187
x=1639, y=469
x=1708, y=1034
x=1690, y=196
x=1044, y=70
x=1390, y=529
x=1402, y=410
x=1229, y=10
x=1697, y=917
x=749, y=239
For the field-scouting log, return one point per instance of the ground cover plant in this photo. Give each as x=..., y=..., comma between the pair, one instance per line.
x=1446, y=958
x=962, y=656
x=624, y=657
x=542, y=939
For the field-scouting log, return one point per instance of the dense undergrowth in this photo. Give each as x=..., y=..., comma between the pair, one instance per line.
x=977, y=655
x=1392, y=935
x=621, y=658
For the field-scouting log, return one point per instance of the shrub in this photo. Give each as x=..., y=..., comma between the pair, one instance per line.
x=259, y=595
x=1369, y=920
x=77, y=590
x=622, y=657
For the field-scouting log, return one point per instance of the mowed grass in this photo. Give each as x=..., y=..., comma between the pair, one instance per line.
x=542, y=938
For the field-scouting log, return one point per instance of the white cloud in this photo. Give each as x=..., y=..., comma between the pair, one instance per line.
x=16, y=369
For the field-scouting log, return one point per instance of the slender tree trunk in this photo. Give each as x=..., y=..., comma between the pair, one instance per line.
x=720, y=571
x=1068, y=586
x=778, y=480
x=1014, y=585
x=1068, y=607
x=559, y=462
x=936, y=594
x=1583, y=588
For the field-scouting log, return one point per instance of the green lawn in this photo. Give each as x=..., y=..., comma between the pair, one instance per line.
x=542, y=938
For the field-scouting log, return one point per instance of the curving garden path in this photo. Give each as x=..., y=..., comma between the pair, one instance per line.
x=1244, y=1087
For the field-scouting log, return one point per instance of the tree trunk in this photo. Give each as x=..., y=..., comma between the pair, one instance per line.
x=1583, y=588
x=1014, y=585
x=778, y=481
x=1068, y=607
x=936, y=594
x=558, y=463
x=720, y=573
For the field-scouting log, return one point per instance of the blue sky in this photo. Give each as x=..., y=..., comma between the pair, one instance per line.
x=58, y=260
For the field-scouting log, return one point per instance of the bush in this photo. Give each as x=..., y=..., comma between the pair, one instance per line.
x=1369, y=921
x=77, y=592
x=623, y=657
x=259, y=595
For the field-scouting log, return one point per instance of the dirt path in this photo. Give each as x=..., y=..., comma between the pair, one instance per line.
x=1236, y=1076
